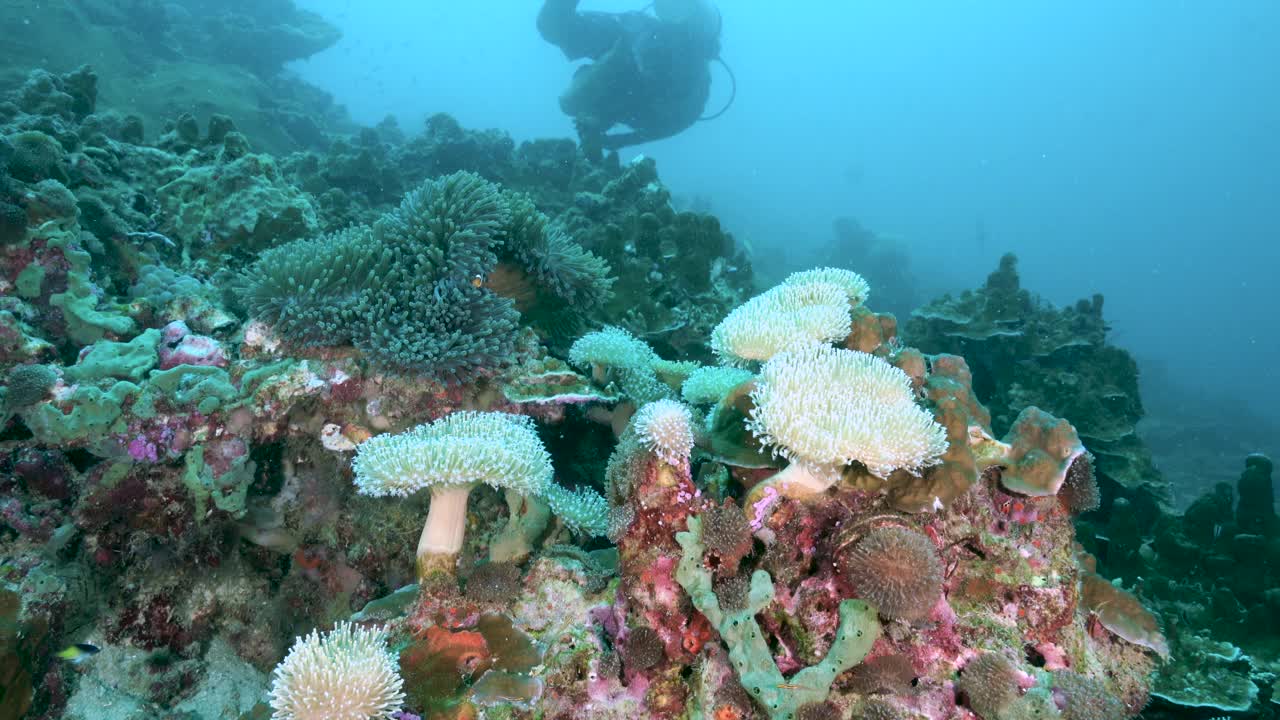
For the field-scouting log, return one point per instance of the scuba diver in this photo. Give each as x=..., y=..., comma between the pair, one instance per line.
x=650, y=73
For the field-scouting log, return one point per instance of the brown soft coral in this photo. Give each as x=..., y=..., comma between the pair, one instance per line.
x=643, y=649
x=728, y=537
x=895, y=569
x=493, y=582
x=991, y=684
x=1086, y=699
x=1043, y=449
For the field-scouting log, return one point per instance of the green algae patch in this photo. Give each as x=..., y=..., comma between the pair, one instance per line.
x=94, y=414
x=120, y=360
x=207, y=388
x=227, y=491
x=87, y=324
x=30, y=281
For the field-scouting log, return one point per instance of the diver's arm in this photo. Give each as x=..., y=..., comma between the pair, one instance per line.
x=578, y=34
x=615, y=141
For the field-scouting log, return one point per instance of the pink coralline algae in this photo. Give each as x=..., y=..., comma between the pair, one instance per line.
x=142, y=450
x=180, y=347
x=159, y=439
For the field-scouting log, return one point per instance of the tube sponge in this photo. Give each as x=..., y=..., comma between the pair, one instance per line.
x=345, y=674
x=825, y=408
x=749, y=649
x=462, y=448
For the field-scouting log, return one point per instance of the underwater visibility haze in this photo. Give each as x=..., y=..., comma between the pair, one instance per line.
x=560, y=360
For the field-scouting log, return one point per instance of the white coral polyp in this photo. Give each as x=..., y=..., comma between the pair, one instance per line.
x=459, y=449
x=665, y=429
x=611, y=346
x=345, y=674
x=855, y=287
x=782, y=317
x=448, y=457
x=709, y=385
x=824, y=408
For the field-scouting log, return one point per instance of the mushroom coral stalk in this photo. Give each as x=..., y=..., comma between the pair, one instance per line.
x=449, y=457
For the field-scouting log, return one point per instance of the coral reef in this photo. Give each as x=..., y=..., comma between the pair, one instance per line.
x=1024, y=352
x=921, y=613
x=1210, y=577
x=215, y=355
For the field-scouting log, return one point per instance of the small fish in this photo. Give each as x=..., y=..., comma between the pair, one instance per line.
x=477, y=281
x=78, y=653
x=792, y=686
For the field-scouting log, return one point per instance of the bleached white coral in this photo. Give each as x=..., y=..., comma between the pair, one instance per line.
x=611, y=346
x=855, y=287
x=584, y=511
x=461, y=448
x=613, y=354
x=824, y=408
x=709, y=385
x=346, y=674
x=448, y=457
x=786, y=315
x=674, y=371
x=664, y=427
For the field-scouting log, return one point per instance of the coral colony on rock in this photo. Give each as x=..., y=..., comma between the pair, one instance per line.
x=236, y=386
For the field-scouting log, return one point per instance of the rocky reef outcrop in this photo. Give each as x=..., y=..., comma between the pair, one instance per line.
x=1023, y=351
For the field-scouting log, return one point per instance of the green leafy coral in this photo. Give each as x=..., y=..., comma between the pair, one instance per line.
x=572, y=282
x=310, y=290
x=403, y=290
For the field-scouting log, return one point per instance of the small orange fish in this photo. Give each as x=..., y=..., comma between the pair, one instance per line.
x=477, y=281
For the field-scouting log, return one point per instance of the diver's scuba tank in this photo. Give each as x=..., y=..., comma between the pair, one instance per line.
x=703, y=19
x=700, y=15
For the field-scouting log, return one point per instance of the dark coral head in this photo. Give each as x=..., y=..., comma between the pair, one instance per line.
x=44, y=472
x=1079, y=492
x=732, y=592
x=643, y=649
x=818, y=711
x=991, y=684
x=884, y=674
x=493, y=582
x=27, y=385
x=895, y=569
x=727, y=535
x=881, y=709
x=1080, y=697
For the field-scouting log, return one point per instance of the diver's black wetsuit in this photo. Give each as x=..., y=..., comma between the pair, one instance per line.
x=650, y=75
